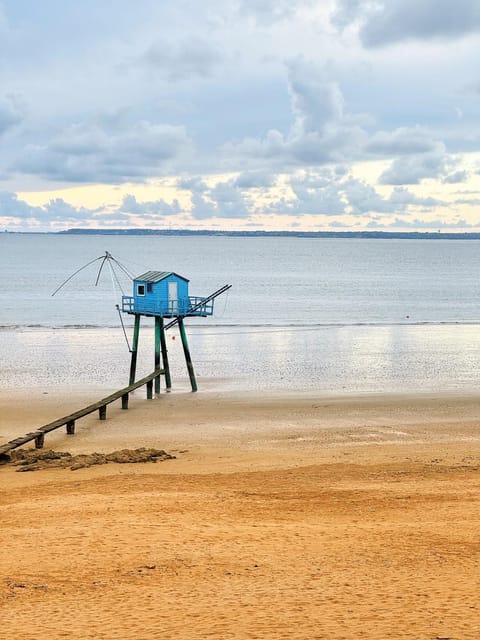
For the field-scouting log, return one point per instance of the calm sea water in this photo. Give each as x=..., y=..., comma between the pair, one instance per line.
x=333, y=315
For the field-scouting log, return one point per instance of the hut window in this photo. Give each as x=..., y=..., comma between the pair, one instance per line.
x=140, y=289
x=149, y=287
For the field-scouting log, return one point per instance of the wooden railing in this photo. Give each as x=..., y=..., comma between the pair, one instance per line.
x=69, y=421
x=191, y=306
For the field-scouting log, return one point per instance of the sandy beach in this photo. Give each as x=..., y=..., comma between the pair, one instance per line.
x=282, y=516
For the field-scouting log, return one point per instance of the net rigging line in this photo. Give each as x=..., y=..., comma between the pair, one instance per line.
x=76, y=272
x=106, y=258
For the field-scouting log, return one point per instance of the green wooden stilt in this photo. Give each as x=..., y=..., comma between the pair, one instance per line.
x=186, y=351
x=157, y=352
x=149, y=390
x=133, y=363
x=166, y=366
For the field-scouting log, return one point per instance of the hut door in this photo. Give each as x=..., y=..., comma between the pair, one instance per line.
x=173, y=297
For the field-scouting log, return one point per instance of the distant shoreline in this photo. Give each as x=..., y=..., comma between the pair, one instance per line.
x=381, y=235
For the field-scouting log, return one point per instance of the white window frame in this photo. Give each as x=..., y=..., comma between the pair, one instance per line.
x=138, y=290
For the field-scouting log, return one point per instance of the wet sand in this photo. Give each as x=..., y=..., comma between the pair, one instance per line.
x=282, y=516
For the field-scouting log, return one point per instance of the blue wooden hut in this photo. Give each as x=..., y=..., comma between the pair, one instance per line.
x=164, y=294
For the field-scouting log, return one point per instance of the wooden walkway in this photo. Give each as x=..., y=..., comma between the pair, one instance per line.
x=69, y=421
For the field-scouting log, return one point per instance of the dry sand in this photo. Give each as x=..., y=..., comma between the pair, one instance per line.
x=292, y=517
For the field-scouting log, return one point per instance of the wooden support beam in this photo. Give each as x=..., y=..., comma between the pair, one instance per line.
x=102, y=412
x=157, y=352
x=186, y=350
x=150, y=390
x=125, y=401
x=166, y=366
x=133, y=362
x=70, y=427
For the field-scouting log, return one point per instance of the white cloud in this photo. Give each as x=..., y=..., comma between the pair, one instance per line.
x=10, y=113
x=412, y=169
x=190, y=57
x=334, y=194
x=456, y=177
x=322, y=131
x=224, y=200
x=157, y=207
x=401, y=141
x=268, y=11
x=255, y=179
x=55, y=210
x=93, y=153
x=249, y=89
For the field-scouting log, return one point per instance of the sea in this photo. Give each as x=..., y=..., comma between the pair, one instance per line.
x=330, y=316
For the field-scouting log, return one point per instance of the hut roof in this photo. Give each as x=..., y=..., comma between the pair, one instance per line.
x=156, y=276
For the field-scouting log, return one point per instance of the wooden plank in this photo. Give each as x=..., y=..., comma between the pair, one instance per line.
x=69, y=421
x=51, y=426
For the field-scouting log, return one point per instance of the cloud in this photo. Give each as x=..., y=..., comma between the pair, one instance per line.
x=157, y=207
x=224, y=200
x=12, y=207
x=95, y=153
x=254, y=180
x=401, y=141
x=268, y=11
x=322, y=131
x=434, y=225
x=383, y=23
x=412, y=169
x=55, y=210
x=363, y=198
x=314, y=193
x=456, y=177
x=417, y=156
x=10, y=114
x=332, y=194
x=285, y=96
x=184, y=59
x=348, y=11
x=468, y=201
x=194, y=183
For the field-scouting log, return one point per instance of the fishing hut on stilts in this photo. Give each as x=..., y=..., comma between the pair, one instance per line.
x=164, y=295
x=160, y=295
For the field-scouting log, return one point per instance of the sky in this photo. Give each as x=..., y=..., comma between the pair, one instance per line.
x=240, y=114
